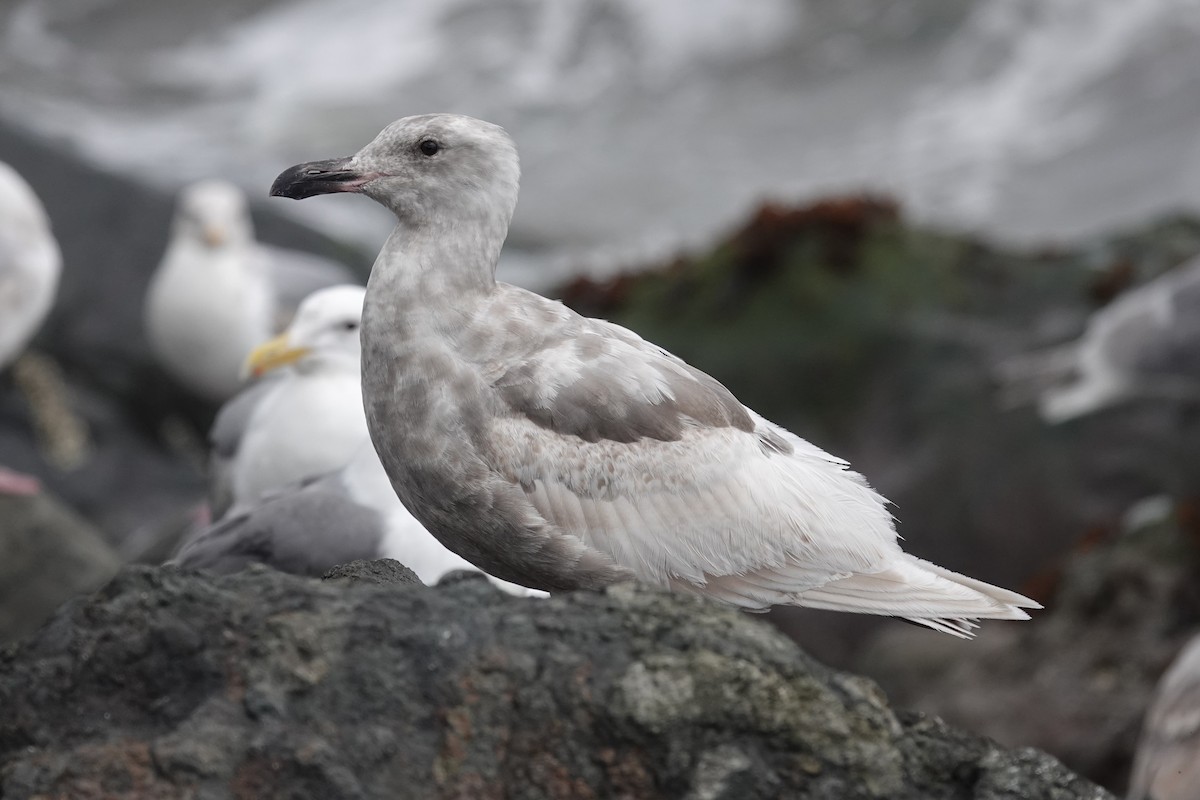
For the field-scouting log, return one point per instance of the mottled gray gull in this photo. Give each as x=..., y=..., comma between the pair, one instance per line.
x=217, y=292
x=1146, y=343
x=304, y=417
x=563, y=452
x=30, y=265
x=1167, y=763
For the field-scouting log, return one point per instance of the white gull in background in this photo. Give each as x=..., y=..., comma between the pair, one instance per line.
x=1146, y=343
x=218, y=292
x=30, y=265
x=562, y=452
x=1167, y=763
x=304, y=417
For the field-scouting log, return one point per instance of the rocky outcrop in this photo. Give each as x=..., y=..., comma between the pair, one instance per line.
x=47, y=556
x=263, y=685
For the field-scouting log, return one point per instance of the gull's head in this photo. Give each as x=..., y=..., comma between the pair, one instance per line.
x=213, y=213
x=427, y=167
x=323, y=335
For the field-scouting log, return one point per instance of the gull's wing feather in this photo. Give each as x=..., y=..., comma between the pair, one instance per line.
x=304, y=530
x=1177, y=351
x=598, y=386
x=224, y=439
x=1151, y=330
x=643, y=458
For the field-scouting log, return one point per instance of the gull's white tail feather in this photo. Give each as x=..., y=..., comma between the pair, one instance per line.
x=910, y=588
x=923, y=593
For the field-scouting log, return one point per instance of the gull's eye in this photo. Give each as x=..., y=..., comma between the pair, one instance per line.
x=349, y=326
x=429, y=147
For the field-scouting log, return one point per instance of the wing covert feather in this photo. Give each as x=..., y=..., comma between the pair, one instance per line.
x=598, y=381
x=711, y=503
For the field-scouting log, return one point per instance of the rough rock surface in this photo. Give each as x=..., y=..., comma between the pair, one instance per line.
x=262, y=685
x=47, y=556
x=1076, y=680
x=380, y=571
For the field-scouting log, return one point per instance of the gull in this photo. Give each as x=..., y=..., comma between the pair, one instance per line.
x=217, y=292
x=1167, y=763
x=1145, y=343
x=562, y=452
x=304, y=416
x=30, y=266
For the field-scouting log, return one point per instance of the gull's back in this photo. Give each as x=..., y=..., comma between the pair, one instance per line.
x=306, y=529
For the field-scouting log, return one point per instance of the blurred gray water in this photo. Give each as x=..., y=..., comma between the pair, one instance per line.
x=644, y=127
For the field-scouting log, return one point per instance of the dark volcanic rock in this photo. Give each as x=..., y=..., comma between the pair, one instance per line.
x=47, y=556
x=380, y=571
x=265, y=685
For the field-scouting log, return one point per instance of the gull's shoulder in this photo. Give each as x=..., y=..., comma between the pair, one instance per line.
x=594, y=379
x=599, y=380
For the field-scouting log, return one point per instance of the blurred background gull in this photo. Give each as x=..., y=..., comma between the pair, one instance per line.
x=865, y=218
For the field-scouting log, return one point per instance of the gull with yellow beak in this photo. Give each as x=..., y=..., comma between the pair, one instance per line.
x=304, y=416
x=217, y=292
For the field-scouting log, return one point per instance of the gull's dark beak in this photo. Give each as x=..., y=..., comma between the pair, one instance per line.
x=320, y=177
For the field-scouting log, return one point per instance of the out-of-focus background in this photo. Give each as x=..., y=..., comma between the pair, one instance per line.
x=870, y=220
x=644, y=126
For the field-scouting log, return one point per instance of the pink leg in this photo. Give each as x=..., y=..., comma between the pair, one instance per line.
x=12, y=482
